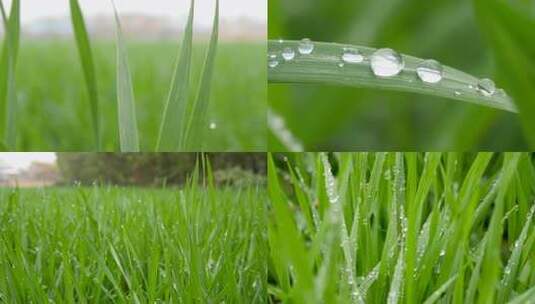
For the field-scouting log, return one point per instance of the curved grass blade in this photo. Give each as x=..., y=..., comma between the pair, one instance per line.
x=128, y=134
x=525, y=297
x=437, y=293
x=174, y=114
x=511, y=269
x=278, y=127
x=325, y=66
x=8, y=97
x=194, y=134
x=86, y=59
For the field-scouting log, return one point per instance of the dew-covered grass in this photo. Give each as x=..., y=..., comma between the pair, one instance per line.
x=130, y=245
x=53, y=104
x=401, y=228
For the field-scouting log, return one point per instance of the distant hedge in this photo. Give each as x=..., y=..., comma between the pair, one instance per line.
x=157, y=168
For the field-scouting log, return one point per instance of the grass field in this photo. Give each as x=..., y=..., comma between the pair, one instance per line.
x=402, y=228
x=53, y=112
x=128, y=245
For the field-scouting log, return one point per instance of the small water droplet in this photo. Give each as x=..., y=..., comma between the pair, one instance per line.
x=430, y=71
x=351, y=55
x=341, y=65
x=273, y=62
x=305, y=46
x=486, y=87
x=442, y=252
x=386, y=63
x=213, y=126
x=457, y=93
x=288, y=54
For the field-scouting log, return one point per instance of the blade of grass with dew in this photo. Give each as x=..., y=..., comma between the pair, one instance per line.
x=194, y=134
x=88, y=66
x=511, y=269
x=322, y=67
x=8, y=96
x=128, y=133
x=174, y=114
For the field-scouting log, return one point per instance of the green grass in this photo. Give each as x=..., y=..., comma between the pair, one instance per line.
x=131, y=245
x=53, y=106
x=401, y=228
x=488, y=39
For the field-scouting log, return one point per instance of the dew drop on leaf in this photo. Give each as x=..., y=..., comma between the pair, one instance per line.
x=430, y=71
x=288, y=54
x=386, y=63
x=305, y=46
x=486, y=87
x=351, y=55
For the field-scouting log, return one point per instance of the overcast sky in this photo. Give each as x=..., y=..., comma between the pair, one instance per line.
x=255, y=9
x=23, y=160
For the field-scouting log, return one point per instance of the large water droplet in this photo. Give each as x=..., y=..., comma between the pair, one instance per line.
x=288, y=54
x=486, y=87
x=386, y=63
x=351, y=55
x=305, y=46
x=430, y=71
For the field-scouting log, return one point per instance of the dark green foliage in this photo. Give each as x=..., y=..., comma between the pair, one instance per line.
x=157, y=168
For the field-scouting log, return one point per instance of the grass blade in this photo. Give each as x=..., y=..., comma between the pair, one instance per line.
x=128, y=133
x=197, y=120
x=527, y=296
x=174, y=114
x=88, y=66
x=437, y=293
x=511, y=269
x=322, y=67
x=8, y=97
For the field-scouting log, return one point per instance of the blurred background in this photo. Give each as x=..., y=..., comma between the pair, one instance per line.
x=52, y=99
x=457, y=33
x=126, y=169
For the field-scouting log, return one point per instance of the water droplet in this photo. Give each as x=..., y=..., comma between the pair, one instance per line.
x=288, y=54
x=442, y=252
x=341, y=65
x=386, y=63
x=351, y=55
x=305, y=46
x=457, y=93
x=430, y=71
x=272, y=61
x=486, y=87
x=213, y=126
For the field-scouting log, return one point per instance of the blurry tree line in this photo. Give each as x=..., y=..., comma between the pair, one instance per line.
x=158, y=168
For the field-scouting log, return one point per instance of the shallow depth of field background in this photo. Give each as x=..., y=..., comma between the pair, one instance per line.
x=339, y=118
x=53, y=111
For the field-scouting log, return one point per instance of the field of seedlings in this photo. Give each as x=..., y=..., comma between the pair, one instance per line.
x=53, y=106
x=401, y=228
x=105, y=244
